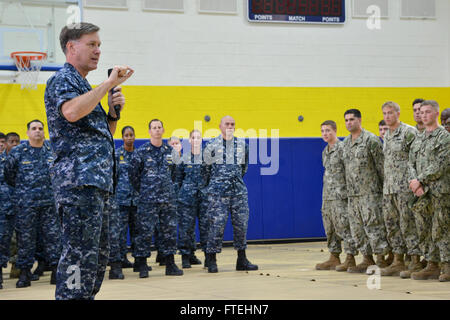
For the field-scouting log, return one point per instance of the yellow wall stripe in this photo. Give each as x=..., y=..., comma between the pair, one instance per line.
x=257, y=108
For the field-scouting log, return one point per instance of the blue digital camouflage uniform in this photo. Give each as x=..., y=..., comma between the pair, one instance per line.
x=126, y=198
x=27, y=171
x=7, y=214
x=191, y=177
x=150, y=172
x=114, y=232
x=83, y=176
x=226, y=191
x=157, y=236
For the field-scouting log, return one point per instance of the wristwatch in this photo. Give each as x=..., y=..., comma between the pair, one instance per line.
x=110, y=118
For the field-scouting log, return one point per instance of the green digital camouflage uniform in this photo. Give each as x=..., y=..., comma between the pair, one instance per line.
x=420, y=130
x=398, y=217
x=429, y=162
x=363, y=159
x=334, y=201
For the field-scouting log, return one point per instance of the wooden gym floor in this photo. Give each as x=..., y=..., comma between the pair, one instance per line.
x=286, y=272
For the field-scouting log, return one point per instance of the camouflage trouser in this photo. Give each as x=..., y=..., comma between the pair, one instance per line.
x=39, y=253
x=29, y=223
x=441, y=225
x=157, y=237
x=114, y=233
x=13, y=247
x=400, y=223
x=6, y=234
x=367, y=225
x=85, y=243
x=218, y=209
x=128, y=223
x=186, y=226
x=148, y=216
x=337, y=227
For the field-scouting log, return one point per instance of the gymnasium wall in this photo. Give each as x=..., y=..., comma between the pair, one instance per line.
x=189, y=65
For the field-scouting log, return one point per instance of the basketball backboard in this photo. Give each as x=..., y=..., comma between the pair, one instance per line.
x=34, y=25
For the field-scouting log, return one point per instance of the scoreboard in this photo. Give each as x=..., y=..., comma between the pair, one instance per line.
x=297, y=11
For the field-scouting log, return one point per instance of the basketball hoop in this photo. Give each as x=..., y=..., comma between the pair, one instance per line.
x=28, y=65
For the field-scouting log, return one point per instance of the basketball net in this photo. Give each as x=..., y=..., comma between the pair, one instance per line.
x=29, y=64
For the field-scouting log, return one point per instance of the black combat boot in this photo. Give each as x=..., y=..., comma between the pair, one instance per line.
x=47, y=267
x=142, y=267
x=24, y=279
x=126, y=263
x=185, y=261
x=205, y=265
x=53, y=275
x=171, y=267
x=193, y=259
x=212, y=263
x=160, y=258
x=136, y=266
x=243, y=264
x=116, y=271
x=39, y=271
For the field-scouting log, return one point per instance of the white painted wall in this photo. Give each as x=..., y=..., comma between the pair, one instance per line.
x=226, y=50
x=448, y=47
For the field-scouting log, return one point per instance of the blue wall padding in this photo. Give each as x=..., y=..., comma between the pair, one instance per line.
x=285, y=205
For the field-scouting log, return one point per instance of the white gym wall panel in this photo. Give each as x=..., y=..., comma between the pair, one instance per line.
x=418, y=9
x=227, y=50
x=191, y=48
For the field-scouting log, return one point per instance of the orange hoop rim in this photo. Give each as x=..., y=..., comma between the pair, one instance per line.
x=32, y=55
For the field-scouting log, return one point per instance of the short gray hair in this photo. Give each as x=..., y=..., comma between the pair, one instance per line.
x=432, y=103
x=74, y=32
x=391, y=104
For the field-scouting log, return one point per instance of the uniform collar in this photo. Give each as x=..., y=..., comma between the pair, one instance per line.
x=435, y=132
x=72, y=68
x=359, y=139
x=334, y=148
x=122, y=150
x=162, y=147
x=74, y=71
x=396, y=131
x=220, y=138
x=29, y=146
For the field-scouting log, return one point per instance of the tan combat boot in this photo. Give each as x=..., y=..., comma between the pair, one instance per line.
x=432, y=271
x=331, y=263
x=362, y=267
x=381, y=263
x=424, y=263
x=445, y=276
x=396, y=267
x=407, y=259
x=414, y=266
x=389, y=258
x=349, y=262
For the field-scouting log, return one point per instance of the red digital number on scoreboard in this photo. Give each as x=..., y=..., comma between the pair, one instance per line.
x=329, y=8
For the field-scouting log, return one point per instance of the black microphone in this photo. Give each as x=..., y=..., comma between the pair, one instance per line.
x=116, y=107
